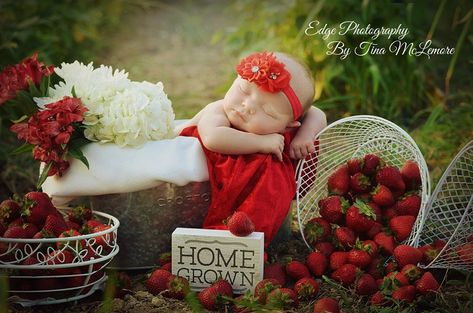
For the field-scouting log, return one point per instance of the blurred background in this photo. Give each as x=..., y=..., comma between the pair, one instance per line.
x=193, y=47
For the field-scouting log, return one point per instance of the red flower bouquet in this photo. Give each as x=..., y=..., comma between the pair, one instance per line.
x=52, y=133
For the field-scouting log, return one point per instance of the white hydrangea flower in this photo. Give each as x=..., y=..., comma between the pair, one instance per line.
x=119, y=110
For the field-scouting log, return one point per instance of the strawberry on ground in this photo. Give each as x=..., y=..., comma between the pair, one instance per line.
x=177, y=287
x=337, y=259
x=240, y=224
x=264, y=287
x=465, y=253
x=404, y=293
x=123, y=283
x=427, y=283
x=276, y=271
x=157, y=281
x=412, y=272
x=306, y=288
x=167, y=267
x=164, y=258
x=359, y=258
x=429, y=253
x=366, y=285
x=212, y=297
x=282, y=298
x=399, y=277
x=402, y=226
x=324, y=247
x=345, y=237
x=317, y=263
x=327, y=305
x=385, y=243
x=297, y=270
x=346, y=274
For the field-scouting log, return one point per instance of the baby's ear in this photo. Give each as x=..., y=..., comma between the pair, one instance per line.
x=293, y=124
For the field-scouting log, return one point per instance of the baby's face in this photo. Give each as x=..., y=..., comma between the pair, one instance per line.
x=252, y=110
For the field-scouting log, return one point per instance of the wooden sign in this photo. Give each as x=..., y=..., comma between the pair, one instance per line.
x=204, y=255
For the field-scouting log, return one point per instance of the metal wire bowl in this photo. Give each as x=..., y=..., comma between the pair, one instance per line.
x=352, y=137
x=25, y=279
x=449, y=214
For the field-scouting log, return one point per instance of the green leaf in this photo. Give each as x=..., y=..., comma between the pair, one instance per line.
x=44, y=86
x=73, y=92
x=21, y=119
x=76, y=153
x=43, y=176
x=27, y=147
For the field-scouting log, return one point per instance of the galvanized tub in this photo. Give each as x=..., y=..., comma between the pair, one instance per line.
x=149, y=217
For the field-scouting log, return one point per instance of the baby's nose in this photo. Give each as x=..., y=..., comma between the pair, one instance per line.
x=249, y=107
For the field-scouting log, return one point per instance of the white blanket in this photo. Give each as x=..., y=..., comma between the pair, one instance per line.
x=119, y=170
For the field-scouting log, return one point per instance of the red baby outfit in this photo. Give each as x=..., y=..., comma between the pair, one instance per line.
x=258, y=184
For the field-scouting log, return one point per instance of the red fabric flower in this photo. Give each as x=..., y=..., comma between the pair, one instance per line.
x=50, y=131
x=16, y=78
x=264, y=70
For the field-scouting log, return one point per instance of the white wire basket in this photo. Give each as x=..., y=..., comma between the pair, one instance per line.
x=52, y=280
x=449, y=215
x=348, y=138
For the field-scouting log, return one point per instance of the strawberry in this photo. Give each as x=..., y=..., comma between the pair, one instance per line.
x=282, y=298
x=31, y=229
x=60, y=257
x=326, y=305
x=93, y=223
x=339, y=182
x=105, y=239
x=374, y=230
x=360, y=217
x=337, y=259
x=366, y=285
x=346, y=274
x=16, y=222
x=405, y=254
x=404, y=293
x=359, y=258
x=332, y=208
x=212, y=297
x=29, y=261
x=378, y=298
x=345, y=237
x=306, y=288
x=370, y=246
x=74, y=244
x=402, y=226
x=411, y=174
x=359, y=183
x=54, y=225
x=264, y=287
x=3, y=228
x=382, y=196
x=164, y=258
x=376, y=210
x=317, y=263
x=389, y=213
x=391, y=266
x=408, y=205
x=177, y=287
x=79, y=214
x=427, y=283
x=317, y=229
x=390, y=177
x=297, y=270
x=385, y=243
x=275, y=271
x=157, y=281
x=9, y=210
x=465, y=253
x=400, y=278
x=72, y=225
x=75, y=280
x=37, y=206
x=354, y=165
x=240, y=224
x=167, y=267
x=376, y=268
x=123, y=283
x=412, y=272
x=439, y=244
x=371, y=162
x=15, y=232
x=324, y=247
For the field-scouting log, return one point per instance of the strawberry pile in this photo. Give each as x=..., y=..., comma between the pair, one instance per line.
x=34, y=216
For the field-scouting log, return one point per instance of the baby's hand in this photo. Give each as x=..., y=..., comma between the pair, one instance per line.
x=273, y=143
x=301, y=147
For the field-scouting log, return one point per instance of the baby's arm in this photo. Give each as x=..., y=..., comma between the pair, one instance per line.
x=218, y=136
x=303, y=143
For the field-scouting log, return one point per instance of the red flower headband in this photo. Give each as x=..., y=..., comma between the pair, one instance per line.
x=270, y=75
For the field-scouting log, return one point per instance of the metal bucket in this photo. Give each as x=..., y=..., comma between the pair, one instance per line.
x=149, y=217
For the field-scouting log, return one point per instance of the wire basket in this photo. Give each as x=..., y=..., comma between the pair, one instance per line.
x=55, y=278
x=449, y=215
x=348, y=138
